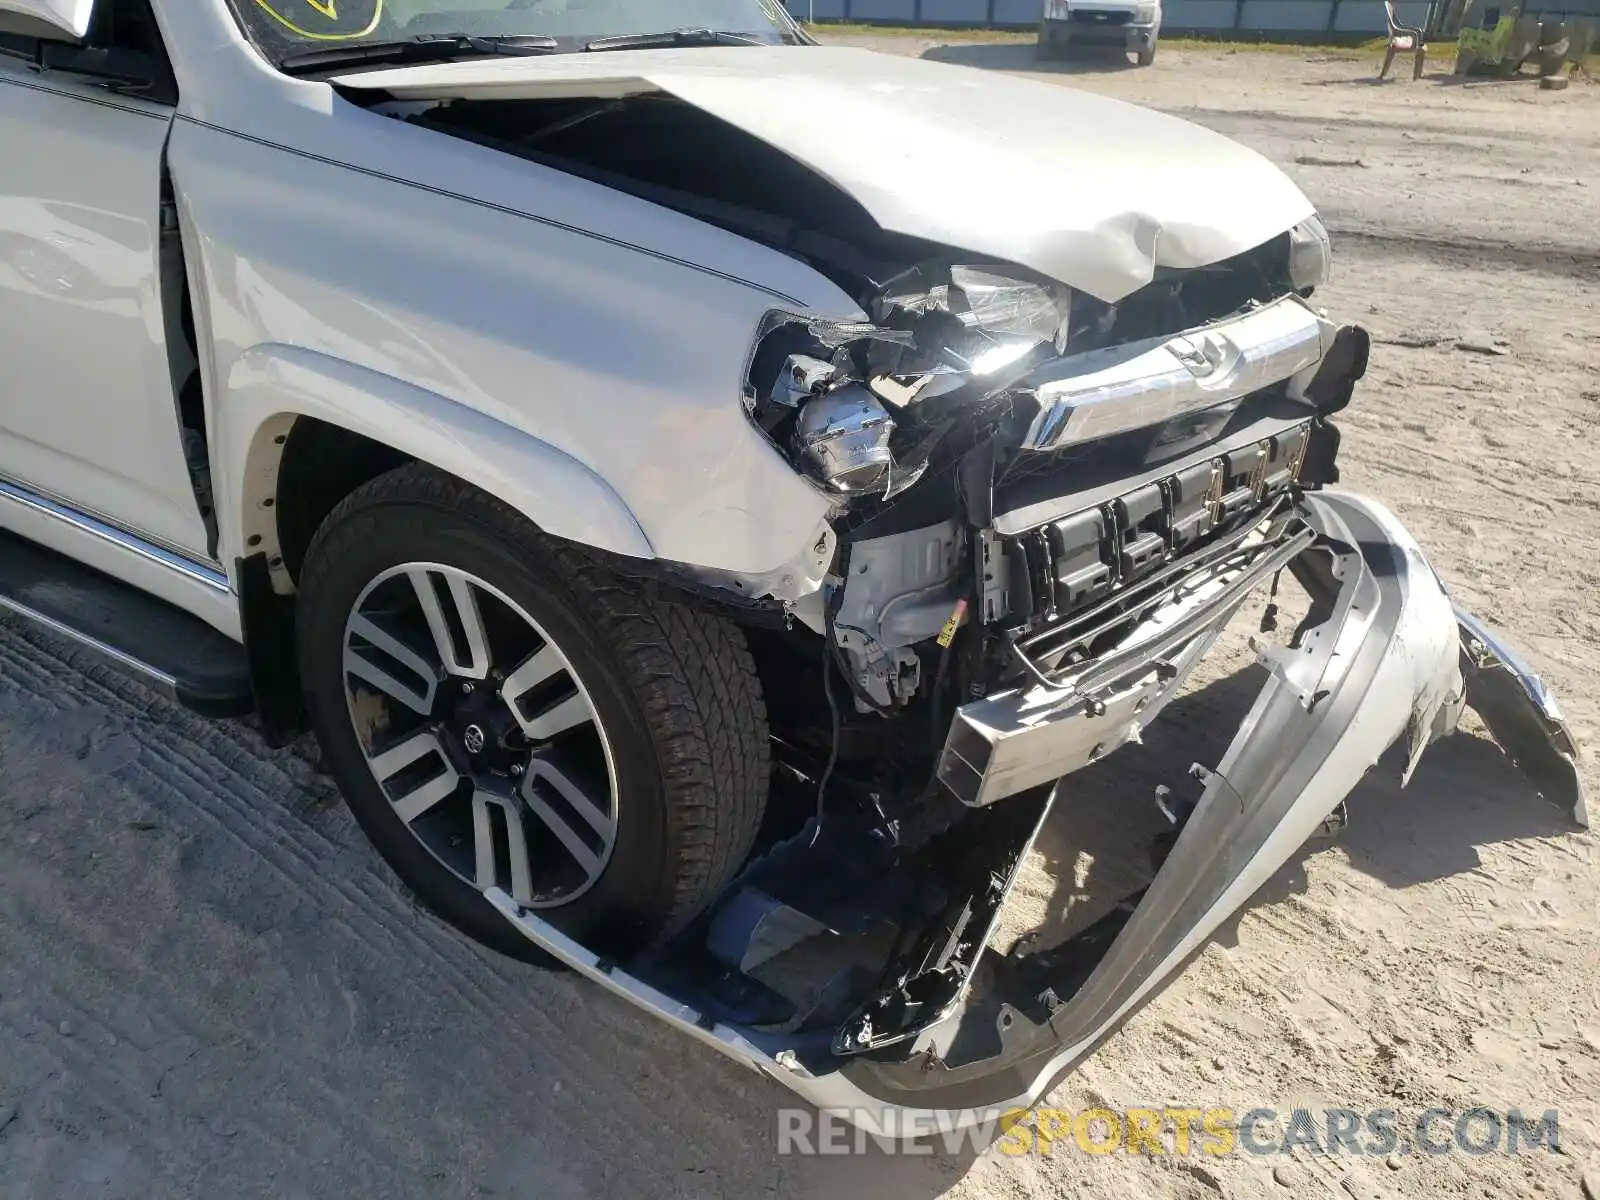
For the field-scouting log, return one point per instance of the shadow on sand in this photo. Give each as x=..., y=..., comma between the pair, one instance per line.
x=1430, y=78
x=1465, y=794
x=1023, y=56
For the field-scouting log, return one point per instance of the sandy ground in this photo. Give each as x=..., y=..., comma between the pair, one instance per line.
x=209, y=986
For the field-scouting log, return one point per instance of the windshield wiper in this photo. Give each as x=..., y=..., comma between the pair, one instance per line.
x=423, y=48
x=674, y=37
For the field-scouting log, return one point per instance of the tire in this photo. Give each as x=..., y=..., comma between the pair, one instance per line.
x=631, y=817
x=1050, y=47
x=1145, y=57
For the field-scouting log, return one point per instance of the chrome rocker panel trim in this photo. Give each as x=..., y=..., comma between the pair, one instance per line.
x=123, y=539
x=152, y=677
x=1384, y=662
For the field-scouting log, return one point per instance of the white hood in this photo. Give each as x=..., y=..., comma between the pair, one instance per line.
x=1090, y=191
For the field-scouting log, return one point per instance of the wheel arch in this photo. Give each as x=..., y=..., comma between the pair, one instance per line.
x=303, y=430
x=297, y=431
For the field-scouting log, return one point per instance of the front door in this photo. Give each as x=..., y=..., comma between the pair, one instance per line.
x=88, y=415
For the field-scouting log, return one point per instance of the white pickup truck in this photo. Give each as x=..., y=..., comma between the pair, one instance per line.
x=704, y=489
x=1134, y=26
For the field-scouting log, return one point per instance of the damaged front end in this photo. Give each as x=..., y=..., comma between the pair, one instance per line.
x=1045, y=510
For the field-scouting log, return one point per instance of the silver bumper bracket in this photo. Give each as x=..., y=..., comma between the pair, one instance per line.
x=1522, y=714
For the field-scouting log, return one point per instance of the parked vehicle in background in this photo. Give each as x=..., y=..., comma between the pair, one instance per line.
x=1135, y=25
x=704, y=490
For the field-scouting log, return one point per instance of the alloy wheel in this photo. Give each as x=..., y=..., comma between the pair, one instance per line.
x=480, y=733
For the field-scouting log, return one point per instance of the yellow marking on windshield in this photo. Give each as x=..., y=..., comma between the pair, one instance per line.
x=325, y=8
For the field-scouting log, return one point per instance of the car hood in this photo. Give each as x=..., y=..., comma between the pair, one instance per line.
x=1088, y=190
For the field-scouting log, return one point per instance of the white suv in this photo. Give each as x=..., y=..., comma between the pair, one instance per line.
x=703, y=489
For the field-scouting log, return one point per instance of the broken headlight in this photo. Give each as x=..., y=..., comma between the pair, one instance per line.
x=852, y=403
x=1310, y=255
x=843, y=437
x=1007, y=308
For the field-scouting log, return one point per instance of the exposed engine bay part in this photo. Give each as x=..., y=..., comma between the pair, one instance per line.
x=863, y=407
x=843, y=438
x=1064, y=606
x=897, y=591
x=958, y=355
x=844, y=967
x=1145, y=492
x=1016, y=740
x=1073, y=577
x=802, y=377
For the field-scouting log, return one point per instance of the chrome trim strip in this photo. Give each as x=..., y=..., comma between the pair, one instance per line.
x=200, y=573
x=153, y=677
x=1144, y=383
x=1521, y=712
x=683, y=1017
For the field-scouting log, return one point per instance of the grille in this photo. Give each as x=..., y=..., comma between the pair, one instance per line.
x=1080, y=576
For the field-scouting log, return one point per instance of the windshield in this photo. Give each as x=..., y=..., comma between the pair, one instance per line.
x=286, y=28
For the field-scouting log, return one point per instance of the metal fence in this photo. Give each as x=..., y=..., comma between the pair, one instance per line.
x=1333, y=19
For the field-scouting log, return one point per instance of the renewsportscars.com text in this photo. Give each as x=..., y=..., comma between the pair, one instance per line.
x=1213, y=1131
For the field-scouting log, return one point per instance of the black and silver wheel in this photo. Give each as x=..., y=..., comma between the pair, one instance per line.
x=480, y=733
x=501, y=712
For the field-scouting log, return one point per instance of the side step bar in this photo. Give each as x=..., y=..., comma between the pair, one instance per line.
x=169, y=650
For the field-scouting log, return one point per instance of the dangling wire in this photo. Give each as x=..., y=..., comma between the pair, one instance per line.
x=833, y=747
x=1269, y=616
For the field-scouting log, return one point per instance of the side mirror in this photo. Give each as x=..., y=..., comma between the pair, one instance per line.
x=58, y=20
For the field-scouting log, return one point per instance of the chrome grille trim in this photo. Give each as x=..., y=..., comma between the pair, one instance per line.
x=1141, y=384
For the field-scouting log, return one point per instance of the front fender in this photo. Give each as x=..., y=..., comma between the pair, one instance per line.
x=271, y=385
x=627, y=360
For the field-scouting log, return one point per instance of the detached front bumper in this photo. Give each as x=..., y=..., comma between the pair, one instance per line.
x=1378, y=659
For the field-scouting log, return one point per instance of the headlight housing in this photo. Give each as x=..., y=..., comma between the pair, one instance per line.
x=1144, y=14
x=1310, y=255
x=859, y=406
x=843, y=438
